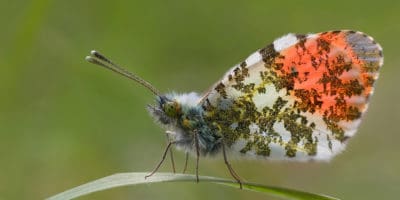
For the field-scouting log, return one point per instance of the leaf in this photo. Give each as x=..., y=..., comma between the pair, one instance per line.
x=136, y=178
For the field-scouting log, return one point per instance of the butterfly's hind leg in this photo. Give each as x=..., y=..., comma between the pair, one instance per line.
x=231, y=171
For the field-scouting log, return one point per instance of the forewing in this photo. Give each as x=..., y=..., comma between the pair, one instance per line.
x=300, y=98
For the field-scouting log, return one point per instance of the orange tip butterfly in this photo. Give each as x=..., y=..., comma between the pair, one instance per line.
x=300, y=98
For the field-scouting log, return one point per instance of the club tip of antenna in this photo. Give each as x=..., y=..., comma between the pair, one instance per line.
x=93, y=52
x=98, y=59
x=89, y=59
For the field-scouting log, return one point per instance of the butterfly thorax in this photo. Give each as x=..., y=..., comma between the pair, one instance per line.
x=183, y=118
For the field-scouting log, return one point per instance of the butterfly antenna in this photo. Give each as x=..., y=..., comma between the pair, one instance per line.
x=99, y=59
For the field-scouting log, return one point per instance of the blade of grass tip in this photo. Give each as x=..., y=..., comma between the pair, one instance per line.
x=126, y=179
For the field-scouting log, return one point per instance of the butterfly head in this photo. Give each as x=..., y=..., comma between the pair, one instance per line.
x=171, y=108
x=176, y=110
x=166, y=110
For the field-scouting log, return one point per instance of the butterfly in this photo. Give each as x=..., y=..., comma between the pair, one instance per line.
x=300, y=98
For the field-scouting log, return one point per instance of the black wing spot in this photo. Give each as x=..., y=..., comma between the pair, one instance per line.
x=268, y=54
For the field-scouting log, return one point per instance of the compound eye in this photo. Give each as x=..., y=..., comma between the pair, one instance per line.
x=171, y=109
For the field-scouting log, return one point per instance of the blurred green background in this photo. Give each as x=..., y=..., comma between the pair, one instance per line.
x=64, y=122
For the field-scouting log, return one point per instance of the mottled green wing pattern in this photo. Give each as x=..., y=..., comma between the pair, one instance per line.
x=300, y=98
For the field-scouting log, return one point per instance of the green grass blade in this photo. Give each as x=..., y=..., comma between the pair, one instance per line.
x=125, y=179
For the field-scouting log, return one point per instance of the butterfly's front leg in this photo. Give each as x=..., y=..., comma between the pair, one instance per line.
x=171, y=153
x=170, y=143
x=197, y=147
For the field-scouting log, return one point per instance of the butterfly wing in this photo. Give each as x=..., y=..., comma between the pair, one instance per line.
x=300, y=98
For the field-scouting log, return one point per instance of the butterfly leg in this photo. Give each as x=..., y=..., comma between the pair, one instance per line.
x=196, y=143
x=171, y=151
x=186, y=162
x=162, y=160
x=231, y=171
x=172, y=160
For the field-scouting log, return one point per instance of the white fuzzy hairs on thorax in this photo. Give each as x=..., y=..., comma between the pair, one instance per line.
x=188, y=99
